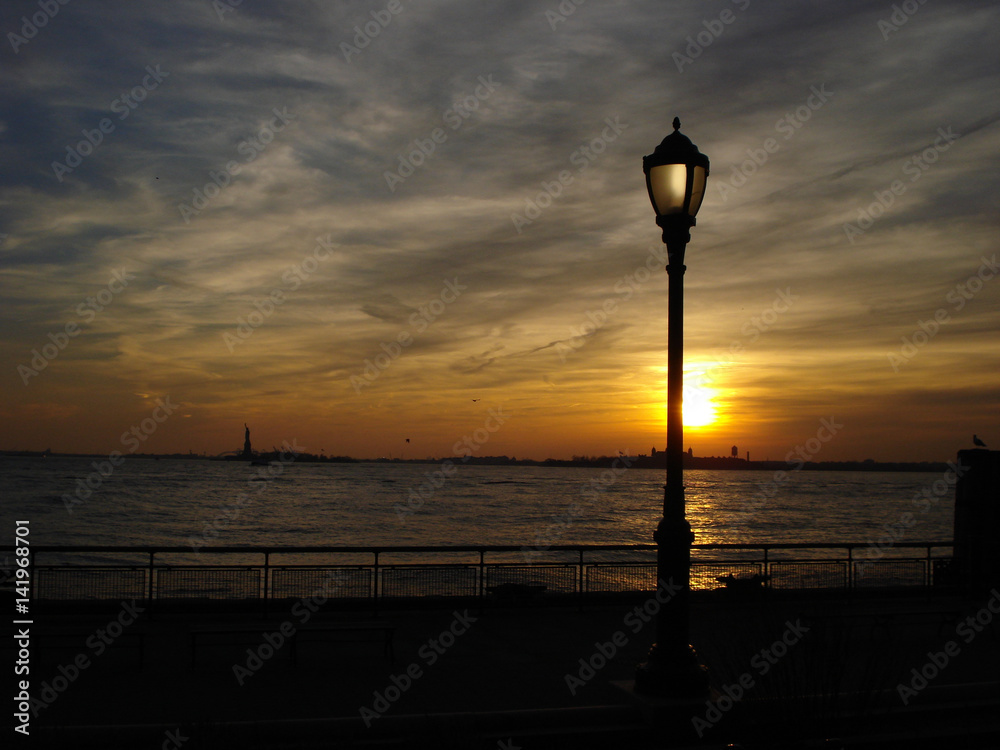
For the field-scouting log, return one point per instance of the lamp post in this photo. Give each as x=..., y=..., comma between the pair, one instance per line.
x=676, y=174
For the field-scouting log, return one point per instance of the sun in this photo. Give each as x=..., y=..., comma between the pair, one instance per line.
x=700, y=404
x=699, y=407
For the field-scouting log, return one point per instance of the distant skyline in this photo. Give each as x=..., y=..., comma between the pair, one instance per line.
x=354, y=225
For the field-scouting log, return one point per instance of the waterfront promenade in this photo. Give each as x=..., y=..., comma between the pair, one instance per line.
x=793, y=665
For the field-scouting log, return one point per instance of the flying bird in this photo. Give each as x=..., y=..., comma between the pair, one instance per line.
x=978, y=442
x=475, y=400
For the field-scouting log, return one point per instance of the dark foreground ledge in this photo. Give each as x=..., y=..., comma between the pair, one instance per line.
x=811, y=667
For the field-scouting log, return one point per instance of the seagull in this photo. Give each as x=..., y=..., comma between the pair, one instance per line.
x=475, y=400
x=978, y=442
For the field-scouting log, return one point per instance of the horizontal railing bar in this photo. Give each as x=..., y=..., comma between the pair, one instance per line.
x=244, y=581
x=463, y=548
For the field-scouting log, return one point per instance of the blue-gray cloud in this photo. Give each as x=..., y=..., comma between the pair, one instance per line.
x=490, y=144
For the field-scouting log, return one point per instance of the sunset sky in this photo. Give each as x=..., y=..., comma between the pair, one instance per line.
x=357, y=223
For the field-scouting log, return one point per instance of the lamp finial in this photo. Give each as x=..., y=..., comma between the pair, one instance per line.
x=677, y=123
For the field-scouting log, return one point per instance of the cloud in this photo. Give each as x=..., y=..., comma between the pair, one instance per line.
x=258, y=196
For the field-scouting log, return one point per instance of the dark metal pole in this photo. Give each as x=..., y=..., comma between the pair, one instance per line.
x=672, y=667
x=674, y=532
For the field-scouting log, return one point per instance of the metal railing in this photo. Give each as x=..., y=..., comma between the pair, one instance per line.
x=374, y=573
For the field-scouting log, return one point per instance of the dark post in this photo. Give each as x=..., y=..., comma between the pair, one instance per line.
x=672, y=668
x=977, y=518
x=674, y=546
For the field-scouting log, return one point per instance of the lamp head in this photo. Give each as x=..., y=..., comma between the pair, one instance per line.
x=676, y=174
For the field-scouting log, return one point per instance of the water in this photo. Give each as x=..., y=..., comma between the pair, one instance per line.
x=182, y=502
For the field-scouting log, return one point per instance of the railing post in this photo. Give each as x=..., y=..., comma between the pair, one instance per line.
x=850, y=567
x=375, y=583
x=928, y=573
x=152, y=567
x=767, y=569
x=482, y=576
x=267, y=559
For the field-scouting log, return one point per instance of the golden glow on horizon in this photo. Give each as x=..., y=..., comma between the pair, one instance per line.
x=699, y=407
x=700, y=397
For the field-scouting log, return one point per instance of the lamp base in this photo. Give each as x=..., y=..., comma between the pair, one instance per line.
x=672, y=673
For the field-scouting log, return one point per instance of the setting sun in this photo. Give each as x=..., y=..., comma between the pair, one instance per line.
x=699, y=407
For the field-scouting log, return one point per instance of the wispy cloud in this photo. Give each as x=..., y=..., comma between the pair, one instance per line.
x=208, y=128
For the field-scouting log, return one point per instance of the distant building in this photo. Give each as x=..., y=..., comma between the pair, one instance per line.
x=735, y=452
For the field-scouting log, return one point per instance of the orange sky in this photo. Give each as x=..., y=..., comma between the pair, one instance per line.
x=470, y=227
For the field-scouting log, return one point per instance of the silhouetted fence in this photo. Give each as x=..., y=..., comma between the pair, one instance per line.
x=497, y=572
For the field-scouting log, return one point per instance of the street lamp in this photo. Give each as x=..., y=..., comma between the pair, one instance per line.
x=676, y=174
